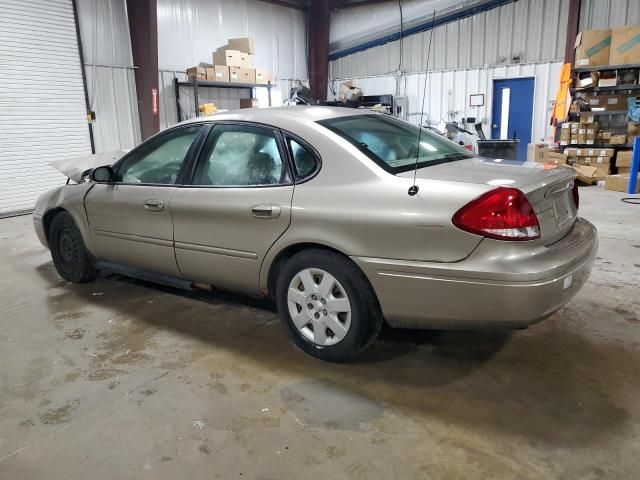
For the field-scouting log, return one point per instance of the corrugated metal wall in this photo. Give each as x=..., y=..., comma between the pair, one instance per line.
x=534, y=30
x=599, y=14
x=110, y=73
x=448, y=92
x=190, y=30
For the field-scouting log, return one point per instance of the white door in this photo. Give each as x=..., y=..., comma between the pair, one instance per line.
x=42, y=103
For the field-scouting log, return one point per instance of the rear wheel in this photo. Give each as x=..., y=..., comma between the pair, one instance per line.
x=327, y=305
x=70, y=257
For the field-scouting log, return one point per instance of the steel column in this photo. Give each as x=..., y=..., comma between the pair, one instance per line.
x=573, y=20
x=143, y=29
x=318, y=20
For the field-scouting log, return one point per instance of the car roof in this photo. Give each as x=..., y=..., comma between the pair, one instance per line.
x=272, y=114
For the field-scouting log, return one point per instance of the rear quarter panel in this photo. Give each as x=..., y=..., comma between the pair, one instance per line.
x=355, y=207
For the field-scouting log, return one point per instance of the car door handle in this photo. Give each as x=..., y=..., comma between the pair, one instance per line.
x=154, y=205
x=265, y=211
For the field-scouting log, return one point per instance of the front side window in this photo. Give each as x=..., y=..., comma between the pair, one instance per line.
x=160, y=160
x=393, y=144
x=240, y=155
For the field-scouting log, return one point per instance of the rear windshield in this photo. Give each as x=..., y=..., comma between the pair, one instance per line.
x=393, y=144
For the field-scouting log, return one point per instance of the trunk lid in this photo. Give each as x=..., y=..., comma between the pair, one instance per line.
x=548, y=190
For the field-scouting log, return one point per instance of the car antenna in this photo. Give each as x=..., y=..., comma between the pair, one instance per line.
x=413, y=189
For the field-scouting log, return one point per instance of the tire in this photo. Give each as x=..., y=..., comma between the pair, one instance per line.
x=333, y=324
x=70, y=256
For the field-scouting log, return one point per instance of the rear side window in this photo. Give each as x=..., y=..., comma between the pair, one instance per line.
x=240, y=155
x=393, y=144
x=304, y=161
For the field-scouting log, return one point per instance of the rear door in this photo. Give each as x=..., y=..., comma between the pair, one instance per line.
x=129, y=219
x=235, y=207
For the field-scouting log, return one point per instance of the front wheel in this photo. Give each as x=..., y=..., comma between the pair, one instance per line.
x=327, y=305
x=70, y=256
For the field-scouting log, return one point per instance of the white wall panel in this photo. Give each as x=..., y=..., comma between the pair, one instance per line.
x=110, y=73
x=534, y=30
x=190, y=30
x=448, y=92
x=599, y=14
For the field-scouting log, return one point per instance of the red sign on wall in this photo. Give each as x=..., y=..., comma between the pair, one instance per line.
x=154, y=101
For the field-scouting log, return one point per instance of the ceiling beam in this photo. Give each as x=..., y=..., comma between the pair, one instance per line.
x=297, y=4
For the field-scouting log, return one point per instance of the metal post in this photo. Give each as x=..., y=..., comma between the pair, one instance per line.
x=84, y=76
x=269, y=92
x=176, y=87
x=143, y=30
x=573, y=22
x=195, y=97
x=635, y=167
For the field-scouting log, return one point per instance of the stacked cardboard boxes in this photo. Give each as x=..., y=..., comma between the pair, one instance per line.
x=618, y=46
x=598, y=159
x=231, y=63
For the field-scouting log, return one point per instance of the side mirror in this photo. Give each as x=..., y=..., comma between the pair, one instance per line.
x=102, y=174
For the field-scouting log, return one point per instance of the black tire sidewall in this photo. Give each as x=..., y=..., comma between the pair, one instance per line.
x=366, y=319
x=83, y=269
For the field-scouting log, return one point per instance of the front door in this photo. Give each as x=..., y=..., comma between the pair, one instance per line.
x=129, y=218
x=236, y=206
x=513, y=111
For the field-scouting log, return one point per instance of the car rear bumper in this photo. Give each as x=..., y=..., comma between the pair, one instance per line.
x=501, y=284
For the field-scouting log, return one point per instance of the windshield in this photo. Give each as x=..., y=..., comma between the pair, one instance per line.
x=393, y=144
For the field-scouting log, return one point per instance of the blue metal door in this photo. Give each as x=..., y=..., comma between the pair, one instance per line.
x=513, y=111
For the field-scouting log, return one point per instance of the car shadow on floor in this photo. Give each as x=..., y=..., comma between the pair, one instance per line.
x=549, y=384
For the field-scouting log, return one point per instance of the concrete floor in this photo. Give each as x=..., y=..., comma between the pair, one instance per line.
x=123, y=379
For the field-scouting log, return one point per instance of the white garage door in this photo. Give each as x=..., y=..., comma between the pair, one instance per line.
x=42, y=103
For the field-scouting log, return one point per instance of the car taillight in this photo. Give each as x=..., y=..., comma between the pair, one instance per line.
x=502, y=214
x=576, y=195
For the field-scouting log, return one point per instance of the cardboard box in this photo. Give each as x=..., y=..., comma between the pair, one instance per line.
x=633, y=130
x=624, y=170
x=625, y=45
x=623, y=158
x=243, y=44
x=607, y=102
x=249, y=103
x=608, y=78
x=554, y=158
x=349, y=93
x=586, y=118
x=605, y=137
x=585, y=174
x=232, y=58
x=207, y=109
x=262, y=76
x=242, y=75
x=218, y=73
x=197, y=73
x=535, y=152
x=619, y=183
x=592, y=48
x=618, y=139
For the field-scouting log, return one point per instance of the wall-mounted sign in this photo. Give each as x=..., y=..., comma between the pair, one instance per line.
x=154, y=100
x=476, y=100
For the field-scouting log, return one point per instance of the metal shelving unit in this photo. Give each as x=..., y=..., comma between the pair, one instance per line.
x=196, y=84
x=615, y=120
x=595, y=68
x=616, y=88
